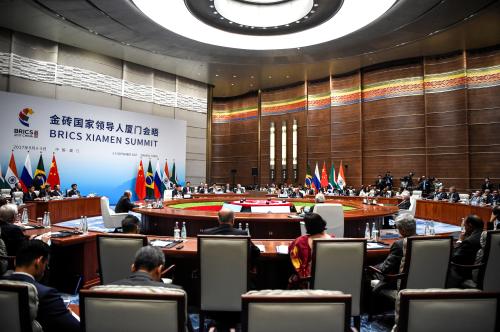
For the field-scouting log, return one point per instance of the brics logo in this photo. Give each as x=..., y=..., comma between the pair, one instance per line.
x=24, y=116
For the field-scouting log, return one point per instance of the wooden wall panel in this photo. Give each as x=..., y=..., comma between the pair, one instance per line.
x=437, y=116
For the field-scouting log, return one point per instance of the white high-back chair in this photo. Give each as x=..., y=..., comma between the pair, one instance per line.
x=417, y=193
x=464, y=198
x=454, y=310
x=110, y=218
x=167, y=195
x=19, y=303
x=296, y=310
x=338, y=264
x=489, y=276
x=413, y=206
x=333, y=214
x=5, y=192
x=133, y=308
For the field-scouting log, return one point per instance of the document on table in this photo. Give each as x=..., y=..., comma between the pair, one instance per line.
x=282, y=249
x=160, y=243
x=374, y=245
x=261, y=247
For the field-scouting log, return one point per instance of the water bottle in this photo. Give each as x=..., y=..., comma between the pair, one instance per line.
x=183, y=231
x=176, y=231
x=368, y=234
x=240, y=227
x=432, y=230
x=44, y=220
x=426, y=229
x=375, y=233
x=49, y=223
x=80, y=227
x=24, y=217
x=248, y=229
x=85, y=228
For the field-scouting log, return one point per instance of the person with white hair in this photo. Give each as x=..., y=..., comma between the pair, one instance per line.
x=12, y=234
x=124, y=204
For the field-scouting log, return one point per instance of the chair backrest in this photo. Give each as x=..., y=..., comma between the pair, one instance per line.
x=413, y=206
x=447, y=310
x=167, y=194
x=19, y=303
x=296, y=310
x=116, y=254
x=489, y=275
x=426, y=260
x=105, y=210
x=224, y=264
x=133, y=308
x=464, y=197
x=338, y=264
x=333, y=214
x=5, y=192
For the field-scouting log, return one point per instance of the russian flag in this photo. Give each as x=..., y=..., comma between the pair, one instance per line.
x=158, y=180
x=26, y=175
x=316, y=179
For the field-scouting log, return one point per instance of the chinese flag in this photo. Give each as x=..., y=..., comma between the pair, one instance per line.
x=324, y=177
x=140, y=183
x=53, y=178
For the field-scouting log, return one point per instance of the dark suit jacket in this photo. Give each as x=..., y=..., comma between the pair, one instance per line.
x=52, y=313
x=72, y=193
x=13, y=237
x=404, y=205
x=29, y=196
x=226, y=229
x=124, y=205
x=465, y=252
x=297, y=195
x=453, y=197
x=176, y=193
x=186, y=190
x=143, y=279
x=54, y=193
x=390, y=266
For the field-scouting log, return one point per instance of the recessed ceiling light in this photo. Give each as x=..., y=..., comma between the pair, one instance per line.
x=230, y=22
x=217, y=75
x=221, y=18
x=306, y=17
x=251, y=84
x=232, y=83
x=215, y=13
x=211, y=6
x=287, y=76
x=316, y=5
x=251, y=76
x=269, y=76
x=297, y=21
x=352, y=16
x=234, y=76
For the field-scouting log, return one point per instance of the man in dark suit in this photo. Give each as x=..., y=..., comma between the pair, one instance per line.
x=56, y=192
x=406, y=226
x=31, y=262
x=131, y=225
x=74, y=191
x=296, y=193
x=453, y=196
x=177, y=191
x=187, y=188
x=12, y=235
x=440, y=195
x=388, y=179
x=30, y=195
x=465, y=250
x=380, y=183
x=487, y=185
x=124, y=204
x=147, y=269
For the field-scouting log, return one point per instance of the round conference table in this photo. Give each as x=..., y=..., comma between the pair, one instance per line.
x=262, y=225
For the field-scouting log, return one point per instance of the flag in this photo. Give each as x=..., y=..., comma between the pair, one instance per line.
x=324, y=177
x=53, y=178
x=309, y=177
x=316, y=179
x=140, y=183
x=40, y=170
x=158, y=181
x=332, y=181
x=11, y=175
x=150, y=182
x=26, y=174
x=173, y=178
x=341, y=178
x=166, y=177
x=3, y=183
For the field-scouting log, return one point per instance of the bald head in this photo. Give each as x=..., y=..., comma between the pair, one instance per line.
x=226, y=216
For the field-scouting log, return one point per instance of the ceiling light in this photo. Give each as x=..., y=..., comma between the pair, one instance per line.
x=234, y=76
x=216, y=75
x=176, y=17
x=269, y=76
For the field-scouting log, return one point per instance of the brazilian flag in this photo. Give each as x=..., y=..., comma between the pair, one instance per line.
x=40, y=177
x=309, y=176
x=150, y=183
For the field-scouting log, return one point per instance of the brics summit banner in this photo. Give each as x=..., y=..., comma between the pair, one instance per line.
x=96, y=147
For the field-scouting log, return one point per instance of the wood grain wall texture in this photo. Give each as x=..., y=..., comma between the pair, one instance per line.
x=436, y=116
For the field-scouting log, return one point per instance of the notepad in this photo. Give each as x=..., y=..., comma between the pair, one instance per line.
x=160, y=243
x=374, y=245
x=261, y=247
x=282, y=249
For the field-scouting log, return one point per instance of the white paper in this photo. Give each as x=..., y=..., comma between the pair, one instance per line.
x=282, y=249
x=371, y=245
x=261, y=247
x=160, y=243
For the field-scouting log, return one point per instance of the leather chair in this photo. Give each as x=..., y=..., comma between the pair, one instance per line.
x=338, y=264
x=447, y=310
x=133, y=308
x=19, y=303
x=296, y=310
x=424, y=265
x=115, y=253
x=110, y=218
x=224, y=273
x=333, y=214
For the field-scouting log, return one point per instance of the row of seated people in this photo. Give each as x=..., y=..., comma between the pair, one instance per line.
x=43, y=191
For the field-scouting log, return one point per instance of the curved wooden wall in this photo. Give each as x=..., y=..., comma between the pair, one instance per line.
x=436, y=116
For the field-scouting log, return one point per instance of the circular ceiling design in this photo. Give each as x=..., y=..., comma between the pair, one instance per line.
x=264, y=24
x=254, y=17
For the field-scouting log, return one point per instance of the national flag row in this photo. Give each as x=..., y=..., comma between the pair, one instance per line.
x=326, y=180
x=151, y=185
x=27, y=178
